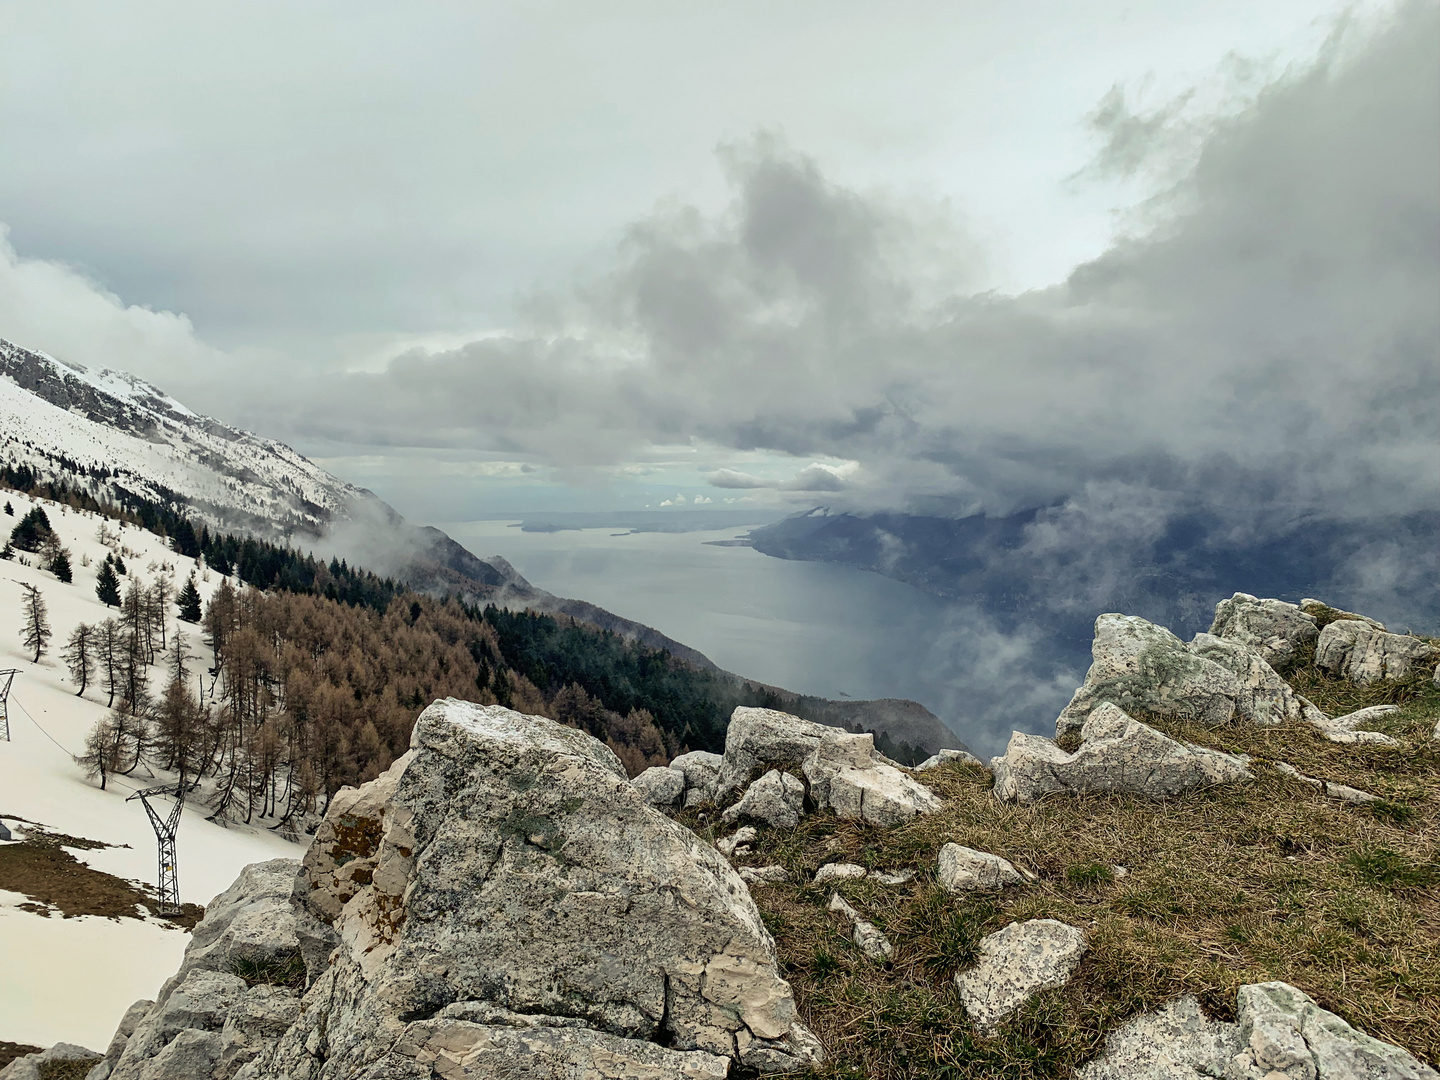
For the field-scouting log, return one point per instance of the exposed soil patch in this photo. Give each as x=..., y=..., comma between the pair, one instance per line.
x=58, y=883
x=10, y=1051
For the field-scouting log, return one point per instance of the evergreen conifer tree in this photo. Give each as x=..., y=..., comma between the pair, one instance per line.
x=120, y=563
x=32, y=531
x=107, y=585
x=35, y=623
x=10, y=510
x=188, y=602
x=60, y=566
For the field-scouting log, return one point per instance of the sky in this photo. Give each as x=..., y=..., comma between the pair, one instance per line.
x=946, y=258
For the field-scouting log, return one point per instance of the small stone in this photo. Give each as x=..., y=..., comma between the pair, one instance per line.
x=964, y=869
x=838, y=871
x=872, y=942
x=898, y=877
x=1015, y=964
x=1335, y=791
x=947, y=757
x=1119, y=872
x=730, y=845
x=765, y=875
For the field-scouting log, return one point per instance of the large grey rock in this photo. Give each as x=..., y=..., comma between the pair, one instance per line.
x=776, y=799
x=1117, y=753
x=253, y=1025
x=1138, y=665
x=31, y=1066
x=1176, y=1042
x=1281, y=1035
x=251, y=927
x=128, y=1023
x=660, y=786
x=1262, y=697
x=1272, y=628
x=1319, y=608
x=519, y=868
x=457, y=1049
x=1286, y=1036
x=849, y=776
x=1357, y=651
x=964, y=869
x=1016, y=963
x=763, y=737
x=701, y=769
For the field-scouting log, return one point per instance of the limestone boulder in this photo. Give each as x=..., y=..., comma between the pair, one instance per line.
x=701, y=769
x=1357, y=651
x=1319, y=609
x=776, y=799
x=520, y=870
x=758, y=737
x=1262, y=697
x=1138, y=665
x=838, y=871
x=1015, y=964
x=1117, y=753
x=964, y=869
x=1273, y=628
x=849, y=776
x=1281, y=1034
x=660, y=786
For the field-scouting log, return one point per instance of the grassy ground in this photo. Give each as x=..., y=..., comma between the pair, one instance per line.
x=1238, y=884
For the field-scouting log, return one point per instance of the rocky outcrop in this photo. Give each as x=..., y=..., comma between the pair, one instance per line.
x=43, y=1065
x=1117, y=753
x=1016, y=963
x=222, y=1010
x=1272, y=628
x=1320, y=609
x=1138, y=665
x=964, y=869
x=849, y=776
x=758, y=737
x=1281, y=1034
x=521, y=874
x=1357, y=651
x=776, y=799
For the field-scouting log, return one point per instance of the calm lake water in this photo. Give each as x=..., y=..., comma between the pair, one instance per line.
x=817, y=628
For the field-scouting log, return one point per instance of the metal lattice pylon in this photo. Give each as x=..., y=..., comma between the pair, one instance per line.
x=6, y=678
x=169, y=890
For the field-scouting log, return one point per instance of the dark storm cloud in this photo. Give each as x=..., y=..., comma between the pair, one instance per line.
x=1276, y=332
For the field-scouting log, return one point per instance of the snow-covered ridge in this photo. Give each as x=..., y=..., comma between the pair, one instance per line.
x=109, y=429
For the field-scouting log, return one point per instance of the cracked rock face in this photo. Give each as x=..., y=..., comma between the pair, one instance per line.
x=776, y=799
x=1136, y=664
x=700, y=768
x=1357, y=651
x=763, y=737
x=848, y=775
x=519, y=870
x=1272, y=628
x=1281, y=1035
x=1016, y=963
x=1262, y=697
x=1117, y=754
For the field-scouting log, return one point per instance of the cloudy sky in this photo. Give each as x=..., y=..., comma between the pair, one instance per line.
x=941, y=257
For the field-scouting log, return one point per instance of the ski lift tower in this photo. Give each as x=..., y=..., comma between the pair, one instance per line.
x=169, y=885
x=6, y=678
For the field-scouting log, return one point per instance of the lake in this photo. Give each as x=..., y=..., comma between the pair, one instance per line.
x=816, y=628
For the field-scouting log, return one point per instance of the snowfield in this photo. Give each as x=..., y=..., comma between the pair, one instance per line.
x=71, y=979
x=153, y=445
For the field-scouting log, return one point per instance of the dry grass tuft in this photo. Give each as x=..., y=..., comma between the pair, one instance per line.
x=1238, y=884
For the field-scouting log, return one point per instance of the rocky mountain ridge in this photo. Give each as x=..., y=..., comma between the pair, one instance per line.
x=504, y=902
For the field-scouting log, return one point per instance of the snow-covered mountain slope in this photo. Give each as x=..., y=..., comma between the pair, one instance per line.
x=111, y=430
x=69, y=978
